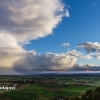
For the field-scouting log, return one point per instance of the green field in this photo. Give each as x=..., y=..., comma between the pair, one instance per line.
x=45, y=92
x=66, y=86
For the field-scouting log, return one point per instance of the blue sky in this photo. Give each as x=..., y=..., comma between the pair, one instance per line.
x=44, y=35
x=83, y=25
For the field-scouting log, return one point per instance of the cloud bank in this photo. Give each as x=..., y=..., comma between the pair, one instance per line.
x=32, y=61
x=46, y=62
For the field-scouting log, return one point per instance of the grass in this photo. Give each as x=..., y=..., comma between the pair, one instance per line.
x=39, y=91
x=20, y=95
x=45, y=92
x=67, y=90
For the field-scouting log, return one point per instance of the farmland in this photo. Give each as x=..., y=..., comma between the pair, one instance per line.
x=47, y=87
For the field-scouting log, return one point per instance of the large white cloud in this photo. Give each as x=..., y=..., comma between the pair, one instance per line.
x=30, y=19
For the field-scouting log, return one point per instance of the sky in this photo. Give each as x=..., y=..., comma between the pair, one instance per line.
x=44, y=35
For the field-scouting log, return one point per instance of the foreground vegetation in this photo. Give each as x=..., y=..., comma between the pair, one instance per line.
x=19, y=95
x=45, y=92
x=88, y=95
x=51, y=88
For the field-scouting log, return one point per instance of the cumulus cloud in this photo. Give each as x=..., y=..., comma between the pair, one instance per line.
x=14, y=57
x=90, y=47
x=31, y=61
x=30, y=19
x=48, y=61
x=26, y=62
x=25, y=20
x=65, y=44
